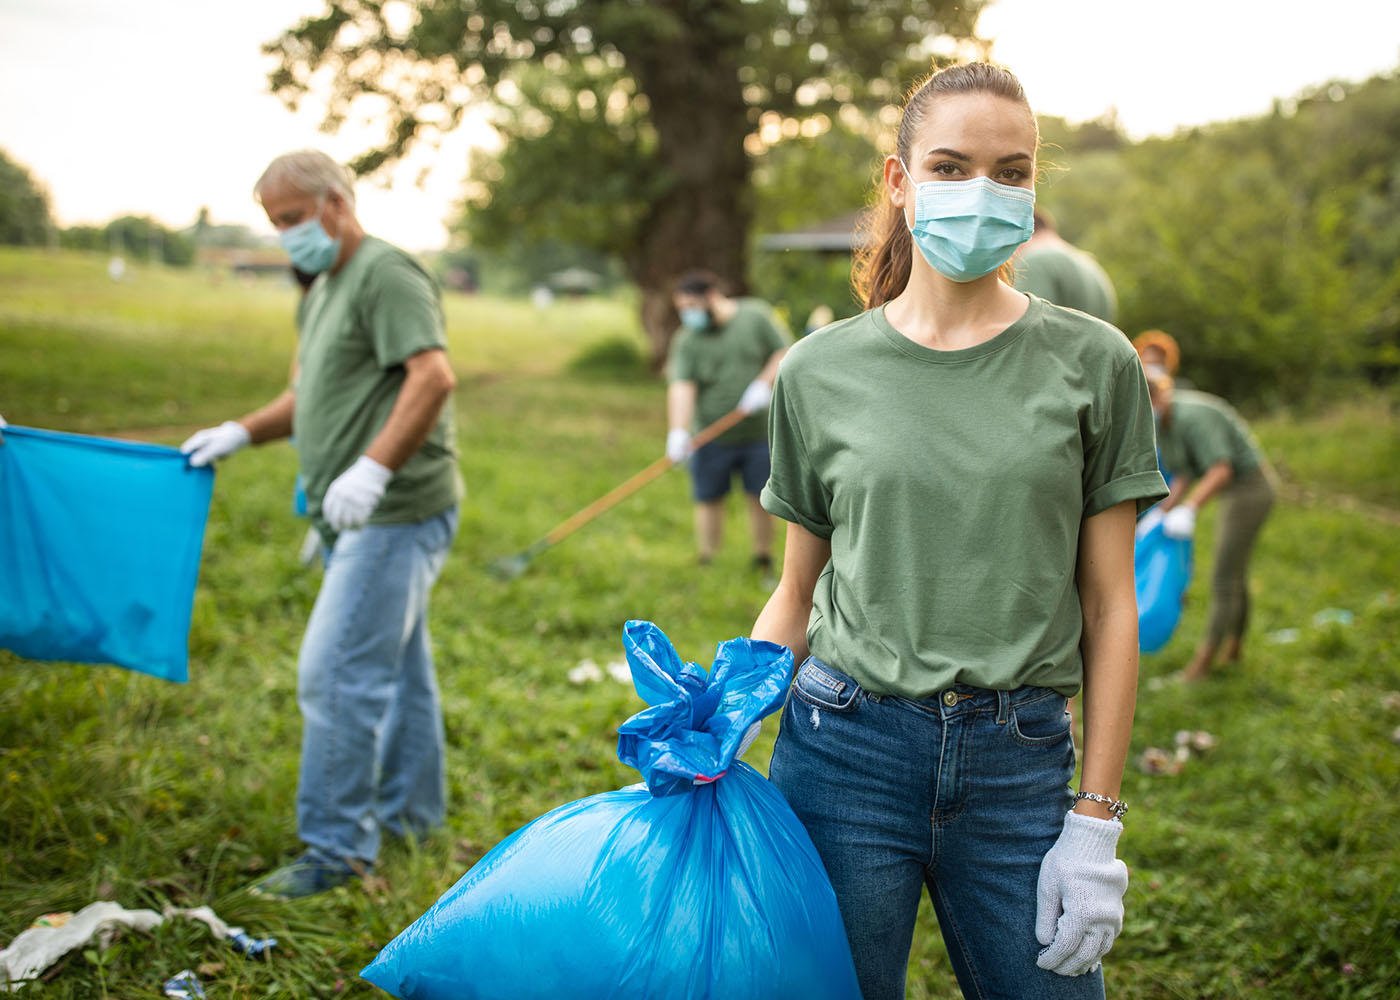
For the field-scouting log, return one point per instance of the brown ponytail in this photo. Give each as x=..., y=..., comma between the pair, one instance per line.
x=884, y=257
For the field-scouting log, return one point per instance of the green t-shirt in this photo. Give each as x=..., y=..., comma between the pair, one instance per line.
x=952, y=486
x=1202, y=431
x=358, y=326
x=722, y=362
x=1067, y=276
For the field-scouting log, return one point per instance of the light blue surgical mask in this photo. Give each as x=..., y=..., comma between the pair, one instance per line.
x=309, y=245
x=695, y=318
x=966, y=229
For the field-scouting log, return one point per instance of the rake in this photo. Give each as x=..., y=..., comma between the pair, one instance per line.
x=511, y=567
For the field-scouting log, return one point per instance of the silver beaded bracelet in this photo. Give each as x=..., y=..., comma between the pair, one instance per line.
x=1115, y=806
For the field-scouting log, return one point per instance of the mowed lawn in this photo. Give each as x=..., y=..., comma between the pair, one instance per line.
x=1266, y=868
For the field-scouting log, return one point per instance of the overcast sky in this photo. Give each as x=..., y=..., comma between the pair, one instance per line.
x=160, y=107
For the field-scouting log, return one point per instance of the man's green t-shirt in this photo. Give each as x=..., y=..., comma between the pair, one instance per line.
x=722, y=362
x=358, y=327
x=952, y=486
x=1067, y=276
x=1202, y=431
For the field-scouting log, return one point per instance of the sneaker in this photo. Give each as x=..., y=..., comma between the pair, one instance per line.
x=310, y=874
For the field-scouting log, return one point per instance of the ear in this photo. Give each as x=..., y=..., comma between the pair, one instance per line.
x=895, y=180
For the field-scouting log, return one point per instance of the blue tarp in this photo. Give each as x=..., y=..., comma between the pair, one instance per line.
x=667, y=890
x=1161, y=572
x=100, y=543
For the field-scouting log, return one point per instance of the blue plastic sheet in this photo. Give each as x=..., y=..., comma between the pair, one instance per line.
x=667, y=890
x=1161, y=572
x=100, y=543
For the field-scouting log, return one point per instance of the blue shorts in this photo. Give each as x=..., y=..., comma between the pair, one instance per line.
x=713, y=467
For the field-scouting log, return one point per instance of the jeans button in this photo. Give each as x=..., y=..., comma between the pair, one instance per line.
x=950, y=698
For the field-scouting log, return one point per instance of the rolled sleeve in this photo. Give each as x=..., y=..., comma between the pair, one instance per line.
x=1120, y=457
x=794, y=491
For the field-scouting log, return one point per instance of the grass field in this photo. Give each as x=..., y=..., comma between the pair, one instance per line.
x=1266, y=868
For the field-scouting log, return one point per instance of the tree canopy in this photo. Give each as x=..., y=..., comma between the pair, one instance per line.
x=1269, y=247
x=629, y=126
x=24, y=205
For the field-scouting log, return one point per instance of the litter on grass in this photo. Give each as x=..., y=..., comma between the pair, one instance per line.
x=54, y=935
x=588, y=672
x=184, y=986
x=1155, y=760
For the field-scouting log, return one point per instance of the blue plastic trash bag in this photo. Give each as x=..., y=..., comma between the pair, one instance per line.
x=100, y=543
x=1161, y=571
x=668, y=890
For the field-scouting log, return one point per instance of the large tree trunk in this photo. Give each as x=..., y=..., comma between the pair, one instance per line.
x=703, y=220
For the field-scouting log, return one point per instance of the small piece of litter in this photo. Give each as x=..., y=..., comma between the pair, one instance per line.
x=587, y=672
x=184, y=985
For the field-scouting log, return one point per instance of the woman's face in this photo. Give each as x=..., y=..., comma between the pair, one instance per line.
x=967, y=136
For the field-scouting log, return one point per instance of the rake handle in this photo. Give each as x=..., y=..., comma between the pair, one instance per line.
x=624, y=490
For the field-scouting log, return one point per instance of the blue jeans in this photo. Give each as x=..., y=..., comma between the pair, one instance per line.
x=962, y=794
x=372, y=737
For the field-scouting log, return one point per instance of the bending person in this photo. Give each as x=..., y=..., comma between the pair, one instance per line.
x=1208, y=451
x=961, y=466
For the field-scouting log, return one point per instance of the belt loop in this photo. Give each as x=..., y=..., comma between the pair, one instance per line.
x=1003, y=707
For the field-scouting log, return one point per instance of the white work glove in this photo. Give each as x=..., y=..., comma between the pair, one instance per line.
x=214, y=443
x=1179, y=522
x=1079, y=896
x=756, y=397
x=353, y=495
x=1147, y=522
x=677, y=445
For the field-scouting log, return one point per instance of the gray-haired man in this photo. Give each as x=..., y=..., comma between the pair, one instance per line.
x=370, y=402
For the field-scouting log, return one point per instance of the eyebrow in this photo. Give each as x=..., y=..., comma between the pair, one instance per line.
x=955, y=154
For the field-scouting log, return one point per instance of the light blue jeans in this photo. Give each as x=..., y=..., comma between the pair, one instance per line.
x=372, y=737
x=962, y=794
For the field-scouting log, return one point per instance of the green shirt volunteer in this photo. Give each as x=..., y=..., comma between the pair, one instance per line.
x=358, y=326
x=952, y=486
x=1203, y=431
x=722, y=362
x=1067, y=276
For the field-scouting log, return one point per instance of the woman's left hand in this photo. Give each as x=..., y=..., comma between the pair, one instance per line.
x=1079, y=897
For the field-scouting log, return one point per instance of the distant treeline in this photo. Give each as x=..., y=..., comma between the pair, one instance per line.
x=1269, y=247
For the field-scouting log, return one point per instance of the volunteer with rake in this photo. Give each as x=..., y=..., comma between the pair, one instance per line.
x=961, y=466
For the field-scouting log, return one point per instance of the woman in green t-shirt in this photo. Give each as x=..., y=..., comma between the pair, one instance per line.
x=960, y=467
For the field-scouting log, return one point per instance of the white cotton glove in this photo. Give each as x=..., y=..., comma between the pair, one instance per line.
x=1079, y=896
x=353, y=495
x=1179, y=522
x=677, y=445
x=756, y=397
x=214, y=443
x=1147, y=522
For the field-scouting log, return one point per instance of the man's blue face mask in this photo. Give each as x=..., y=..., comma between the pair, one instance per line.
x=309, y=245
x=695, y=318
x=966, y=229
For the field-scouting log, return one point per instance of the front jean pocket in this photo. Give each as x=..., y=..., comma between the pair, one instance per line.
x=819, y=687
x=1041, y=722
